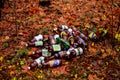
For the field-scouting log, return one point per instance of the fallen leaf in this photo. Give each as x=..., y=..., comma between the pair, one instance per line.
x=92, y=77
x=59, y=70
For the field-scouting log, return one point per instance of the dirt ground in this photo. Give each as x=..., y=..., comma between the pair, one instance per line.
x=23, y=19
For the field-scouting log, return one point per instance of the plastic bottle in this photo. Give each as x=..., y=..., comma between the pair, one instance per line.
x=52, y=63
x=33, y=44
x=37, y=38
x=37, y=62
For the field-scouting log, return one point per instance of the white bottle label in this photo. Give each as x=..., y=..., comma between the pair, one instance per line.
x=40, y=60
x=45, y=53
x=39, y=43
x=39, y=37
x=77, y=52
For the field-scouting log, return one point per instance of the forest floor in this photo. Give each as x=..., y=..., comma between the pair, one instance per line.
x=23, y=19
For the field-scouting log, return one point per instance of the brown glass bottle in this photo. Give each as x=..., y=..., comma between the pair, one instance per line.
x=59, y=55
x=42, y=52
x=64, y=35
x=37, y=62
x=37, y=38
x=80, y=41
x=74, y=52
x=62, y=27
x=34, y=44
x=52, y=39
x=71, y=40
x=69, y=32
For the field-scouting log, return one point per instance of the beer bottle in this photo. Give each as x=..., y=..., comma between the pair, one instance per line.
x=64, y=35
x=70, y=32
x=71, y=40
x=74, y=52
x=37, y=62
x=83, y=36
x=75, y=32
x=63, y=42
x=42, y=52
x=54, y=48
x=52, y=63
x=60, y=54
x=81, y=42
x=62, y=27
x=33, y=44
x=52, y=39
x=37, y=38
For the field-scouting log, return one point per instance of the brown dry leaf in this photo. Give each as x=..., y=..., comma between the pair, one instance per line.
x=25, y=67
x=59, y=70
x=92, y=49
x=32, y=49
x=87, y=25
x=92, y=77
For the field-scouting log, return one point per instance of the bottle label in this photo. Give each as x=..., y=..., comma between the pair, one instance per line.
x=54, y=63
x=45, y=53
x=92, y=35
x=80, y=50
x=39, y=37
x=39, y=43
x=40, y=60
x=63, y=33
x=77, y=52
x=56, y=47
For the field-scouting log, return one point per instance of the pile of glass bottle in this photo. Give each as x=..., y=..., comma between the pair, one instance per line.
x=66, y=43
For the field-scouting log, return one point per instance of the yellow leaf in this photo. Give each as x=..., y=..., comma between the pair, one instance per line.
x=1, y=59
x=76, y=75
x=11, y=73
x=104, y=17
x=93, y=44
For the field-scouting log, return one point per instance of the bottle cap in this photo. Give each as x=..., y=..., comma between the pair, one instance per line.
x=56, y=36
x=33, y=52
x=70, y=30
x=80, y=51
x=29, y=68
x=39, y=37
x=26, y=45
x=64, y=27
